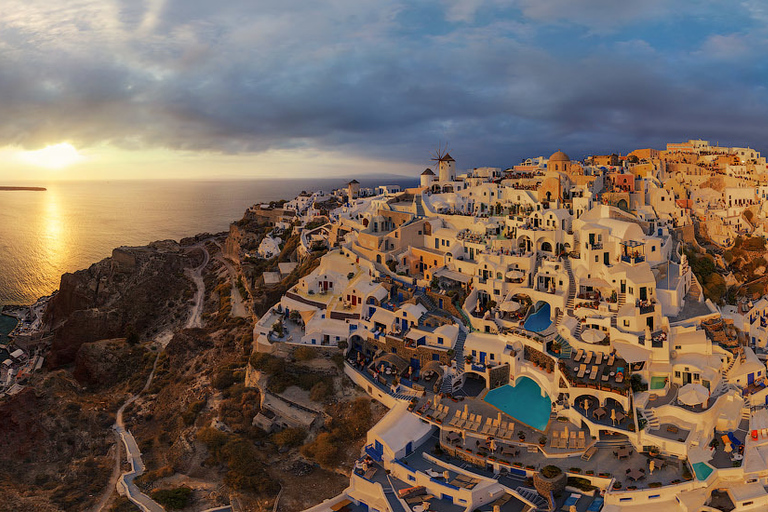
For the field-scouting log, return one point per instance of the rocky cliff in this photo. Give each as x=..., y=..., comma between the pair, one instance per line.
x=139, y=290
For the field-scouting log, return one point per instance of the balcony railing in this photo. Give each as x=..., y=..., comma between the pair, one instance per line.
x=633, y=259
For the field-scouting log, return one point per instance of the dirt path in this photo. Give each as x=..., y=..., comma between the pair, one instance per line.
x=195, y=317
x=133, y=453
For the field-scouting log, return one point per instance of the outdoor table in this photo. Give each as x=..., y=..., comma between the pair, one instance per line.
x=453, y=437
x=622, y=452
x=635, y=474
x=598, y=413
x=620, y=416
x=657, y=463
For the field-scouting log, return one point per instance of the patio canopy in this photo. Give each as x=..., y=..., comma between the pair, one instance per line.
x=595, y=282
x=395, y=360
x=693, y=394
x=631, y=353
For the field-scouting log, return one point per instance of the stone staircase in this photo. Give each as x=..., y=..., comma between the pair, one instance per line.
x=611, y=443
x=571, y=287
x=419, y=203
x=458, y=351
x=447, y=385
x=565, y=348
x=534, y=497
x=651, y=418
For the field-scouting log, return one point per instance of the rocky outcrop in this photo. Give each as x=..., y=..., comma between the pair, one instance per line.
x=139, y=289
x=105, y=363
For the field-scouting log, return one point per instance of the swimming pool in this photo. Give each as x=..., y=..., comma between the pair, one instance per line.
x=658, y=382
x=702, y=470
x=523, y=402
x=539, y=320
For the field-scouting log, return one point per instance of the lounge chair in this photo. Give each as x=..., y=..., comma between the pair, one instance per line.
x=495, y=427
x=485, y=428
x=581, y=441
x=588, y=358
x=582, y=369
x=570, y=501
x=555, y=439
x=589, y=453
x=598, y=357
x=456, y=418
x=611, y=360
x=593, y=373
x=579, y=355
x=734, y=439
x=572, y=441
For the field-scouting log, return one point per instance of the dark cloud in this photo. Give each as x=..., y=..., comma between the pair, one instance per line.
x=497, y=83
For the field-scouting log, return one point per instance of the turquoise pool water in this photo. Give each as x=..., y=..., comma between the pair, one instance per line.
x=523, y=402
x=702, y=470
x=657, y=382
x=539, y=320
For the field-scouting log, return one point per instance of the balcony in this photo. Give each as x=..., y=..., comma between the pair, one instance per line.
x=633, y=259
x=595, y=246
x=646, y=306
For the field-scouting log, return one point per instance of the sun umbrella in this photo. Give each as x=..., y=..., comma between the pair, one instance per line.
x=592, y=336
x=510, y=306
x=613, y=416
x=692, y=394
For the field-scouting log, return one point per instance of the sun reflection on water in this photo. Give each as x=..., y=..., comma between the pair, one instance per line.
x=53, y=232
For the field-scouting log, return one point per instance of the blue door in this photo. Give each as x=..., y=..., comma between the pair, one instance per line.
x=448, y=498
x=408, y=448
x=482, y=357
x=750, y=378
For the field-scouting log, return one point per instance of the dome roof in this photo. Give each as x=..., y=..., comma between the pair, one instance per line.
x=428, y=172
x=559, y=156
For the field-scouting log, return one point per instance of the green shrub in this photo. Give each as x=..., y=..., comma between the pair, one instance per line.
x=174, y=499
x=583, y=484
x=550, y=471
x=304, y=354
x=289, y=437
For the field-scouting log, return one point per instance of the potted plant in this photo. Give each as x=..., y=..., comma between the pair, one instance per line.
x=617, y=485
x=653, y=451
x=521, y=435
x=542, y=440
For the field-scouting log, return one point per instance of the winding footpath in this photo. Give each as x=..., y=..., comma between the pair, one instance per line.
x=125, y=483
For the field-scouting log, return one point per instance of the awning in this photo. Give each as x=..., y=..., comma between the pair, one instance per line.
x=433, y=366
x=594, y=282
x=396, y=361
x=452, y=275
x=631, y=353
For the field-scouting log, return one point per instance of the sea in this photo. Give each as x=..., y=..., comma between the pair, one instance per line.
x=74, y=224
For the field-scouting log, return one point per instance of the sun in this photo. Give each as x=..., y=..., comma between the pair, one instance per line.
x=56, y=156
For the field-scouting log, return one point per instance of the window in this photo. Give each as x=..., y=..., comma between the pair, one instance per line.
x=596, y=258
x=695, y=376
x=677, y=374
x=626, y=323
x=439, y=340
x=653, y=248
x=492, y=356
x=474, y=353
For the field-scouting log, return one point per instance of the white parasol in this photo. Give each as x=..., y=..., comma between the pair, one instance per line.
x=693, y=394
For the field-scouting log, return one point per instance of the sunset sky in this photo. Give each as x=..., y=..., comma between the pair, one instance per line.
x=243, y=88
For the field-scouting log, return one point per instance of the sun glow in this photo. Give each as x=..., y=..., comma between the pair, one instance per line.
x=56, y=156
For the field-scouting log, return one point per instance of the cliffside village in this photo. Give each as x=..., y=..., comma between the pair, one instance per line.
x=538, y=334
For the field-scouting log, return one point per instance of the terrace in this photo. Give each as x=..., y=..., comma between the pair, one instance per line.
x=594, y=370
x=728, y=455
